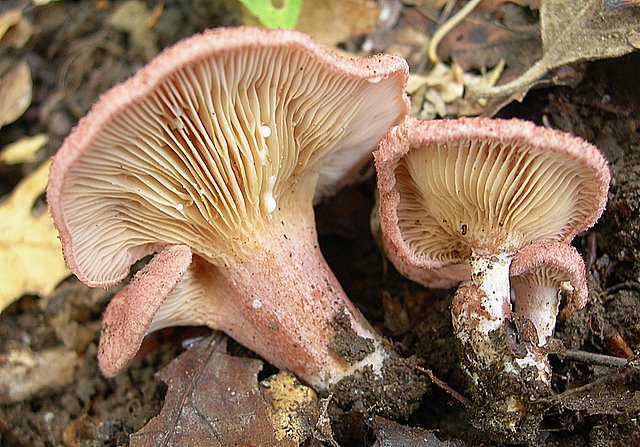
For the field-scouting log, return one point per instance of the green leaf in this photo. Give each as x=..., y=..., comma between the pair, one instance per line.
x=271, y=16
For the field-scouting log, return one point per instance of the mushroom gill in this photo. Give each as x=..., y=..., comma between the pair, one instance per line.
x=234, y=136
x=494, y=196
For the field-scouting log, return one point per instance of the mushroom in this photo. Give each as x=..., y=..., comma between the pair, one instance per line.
x=541, y=275
x=458, y=199
x=216, y=152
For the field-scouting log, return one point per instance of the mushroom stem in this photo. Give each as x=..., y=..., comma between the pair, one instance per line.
x=538, y=303
x=282, y=301
x=480, y=310
x=491, y=275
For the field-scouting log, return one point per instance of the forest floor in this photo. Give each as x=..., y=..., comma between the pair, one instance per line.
x=75, y=52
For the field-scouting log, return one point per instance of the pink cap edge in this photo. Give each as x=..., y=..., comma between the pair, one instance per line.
x=414, y=132
x=130, y=312
x=559, y=255
x=189, y=50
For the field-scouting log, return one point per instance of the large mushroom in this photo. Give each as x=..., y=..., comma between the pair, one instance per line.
x=216, y=151
x=458, y=199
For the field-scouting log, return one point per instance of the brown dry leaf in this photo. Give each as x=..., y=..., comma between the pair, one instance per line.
x=24, y=150
x=23, y=373
x=214, y=399
x=133, y=18
x=15, y=30
x=440, y=92
x=392, y=434
x=571, y=32
x=30, y=251
x=15, y=91
x=494, y=4
x=480, y=42
x=347, y=18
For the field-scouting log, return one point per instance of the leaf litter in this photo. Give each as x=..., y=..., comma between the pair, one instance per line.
x=215, y=399
x=572, y=32
x=497, y=60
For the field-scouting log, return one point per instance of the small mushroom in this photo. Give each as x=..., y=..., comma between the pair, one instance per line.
x=216, y=152
x=541, y=275
x=458, y=199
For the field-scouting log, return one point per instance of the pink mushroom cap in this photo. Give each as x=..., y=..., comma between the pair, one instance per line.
x=306, y=69
x=449, y=188
x=130, y=312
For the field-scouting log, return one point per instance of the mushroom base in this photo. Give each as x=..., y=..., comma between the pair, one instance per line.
x=282, y=301
x=506, y=375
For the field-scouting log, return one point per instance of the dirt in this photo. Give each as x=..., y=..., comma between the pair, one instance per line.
x=346, y=342
x=74, y=56
x=395, y=392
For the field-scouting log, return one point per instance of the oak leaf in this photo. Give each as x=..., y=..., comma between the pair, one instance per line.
x=214, y=399
x=571, y=32
x=30, y=252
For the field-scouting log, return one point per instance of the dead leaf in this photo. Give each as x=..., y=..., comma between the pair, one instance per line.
x=289, y=401
x=571, y=32
x=348, y=18
x=43, y=2
x=392, y=434
x=214, y=399
x=492, y=5
x=15, y=91
x=15, y=30
x=23, y=373
x=24, y=150
x=440, y=92
x=479, y=43
x=133, y=18
x=30, y=251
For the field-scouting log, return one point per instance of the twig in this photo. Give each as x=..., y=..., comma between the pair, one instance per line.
x=591, y=358
x=453, y=393
x=446, y=27
x=623, y=285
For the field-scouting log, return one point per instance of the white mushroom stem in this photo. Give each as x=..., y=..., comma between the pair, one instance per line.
x=491, y=275
x=280, y=299
x=538, y=302
x=479, y=310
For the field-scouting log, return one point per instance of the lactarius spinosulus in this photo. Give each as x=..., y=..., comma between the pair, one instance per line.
x=458, y=199
x=543, y=276
x=212, y=156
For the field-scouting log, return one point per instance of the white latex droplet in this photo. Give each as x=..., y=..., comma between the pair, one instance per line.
x=265, y=131
x=180, y=207
x=375, y=80
x=270, y=204
x=256, y=304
